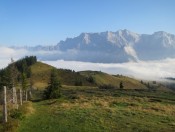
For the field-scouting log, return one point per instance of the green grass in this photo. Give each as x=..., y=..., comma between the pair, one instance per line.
x=15, y=116
x=41, y=76
x=103, y=78
x=89, y=109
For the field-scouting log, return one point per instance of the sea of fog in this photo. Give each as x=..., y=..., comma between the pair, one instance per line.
x=149, y=70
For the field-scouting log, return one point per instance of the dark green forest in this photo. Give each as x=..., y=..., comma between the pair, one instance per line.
x=17, y=71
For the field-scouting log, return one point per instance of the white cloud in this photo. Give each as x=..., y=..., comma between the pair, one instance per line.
x=141, y=69
x=7, y=53
x=144, y=69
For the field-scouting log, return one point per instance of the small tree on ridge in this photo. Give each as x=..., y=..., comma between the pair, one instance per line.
x=121, y=85
x=53, y=89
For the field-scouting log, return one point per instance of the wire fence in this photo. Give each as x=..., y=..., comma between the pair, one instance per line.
x=11, y=98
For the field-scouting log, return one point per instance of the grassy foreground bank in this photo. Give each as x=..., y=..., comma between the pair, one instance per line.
x=98, y=110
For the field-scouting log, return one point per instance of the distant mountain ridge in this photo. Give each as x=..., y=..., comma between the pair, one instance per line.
x=112, y=47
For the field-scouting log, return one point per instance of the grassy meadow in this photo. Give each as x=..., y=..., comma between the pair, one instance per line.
x=89, y=109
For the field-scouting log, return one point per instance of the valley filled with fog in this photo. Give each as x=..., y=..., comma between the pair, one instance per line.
x=150, y=70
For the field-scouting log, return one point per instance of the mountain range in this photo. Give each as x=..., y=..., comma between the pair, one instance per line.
x=110, y=47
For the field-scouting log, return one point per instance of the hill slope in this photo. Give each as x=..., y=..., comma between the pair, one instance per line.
x=104, y=78
x=41, y=76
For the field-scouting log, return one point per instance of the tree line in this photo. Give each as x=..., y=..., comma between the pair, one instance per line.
x=17, y=72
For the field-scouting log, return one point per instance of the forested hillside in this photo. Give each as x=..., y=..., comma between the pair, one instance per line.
x=17, y=71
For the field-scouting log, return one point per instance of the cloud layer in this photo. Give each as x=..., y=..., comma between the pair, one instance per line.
x=7, y=53
x=141, y=69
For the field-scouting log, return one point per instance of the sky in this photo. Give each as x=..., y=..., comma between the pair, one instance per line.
x=46, y=22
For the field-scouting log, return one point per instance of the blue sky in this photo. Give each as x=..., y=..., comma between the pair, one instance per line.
x=46, y=22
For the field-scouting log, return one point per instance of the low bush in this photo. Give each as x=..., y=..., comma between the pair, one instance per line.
x=106, y=86
x=78, y=83
x=16, y=114
x=90, y=79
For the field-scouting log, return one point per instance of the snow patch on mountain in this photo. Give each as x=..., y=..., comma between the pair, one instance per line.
x=111, y=37
x=130, y=51
x=123, y=38
x=87, y=38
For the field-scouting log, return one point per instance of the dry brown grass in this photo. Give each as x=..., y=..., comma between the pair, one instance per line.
x=159, y=109
x=27, y=108
x=132, y=104
x=40, y=85
x=143, y=105
x=13, y=123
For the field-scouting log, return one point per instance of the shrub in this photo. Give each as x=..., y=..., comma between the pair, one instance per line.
x=121, y=85
x=53, y=89
x=90, y=79
x=78, y=82
x=16, y=114
x=106, y=86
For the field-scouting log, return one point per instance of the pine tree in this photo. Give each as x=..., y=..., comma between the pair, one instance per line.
x=24, y=84
x=53, y=89
x=121, y=85
x=24, y=81
x=13, y=73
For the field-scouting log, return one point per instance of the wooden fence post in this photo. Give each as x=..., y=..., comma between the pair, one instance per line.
x=15, y=100
x=26, y=95
x=30, y=94
x=20, y=94
x=5, y=106
x=13, y=95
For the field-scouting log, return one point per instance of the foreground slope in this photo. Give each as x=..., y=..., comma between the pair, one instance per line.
x=103, y=110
